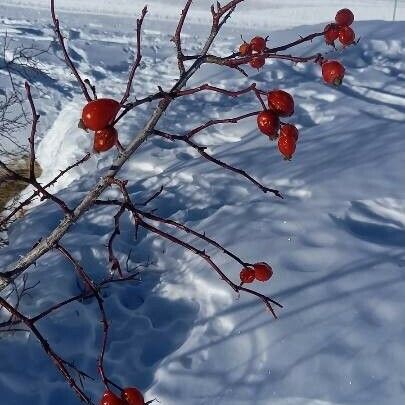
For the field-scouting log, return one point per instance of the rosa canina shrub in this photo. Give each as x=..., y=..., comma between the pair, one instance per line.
x=100, y=118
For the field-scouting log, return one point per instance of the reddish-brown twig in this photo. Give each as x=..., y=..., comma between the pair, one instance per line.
x=58, y=361
x=237, y=288
x=139, y=216
x=42, y=192
x=138, y=58
x=201, y=150
x=31, y=139
x=68, y=61
x=36, y=193
x=177, y=37
x=93, y=288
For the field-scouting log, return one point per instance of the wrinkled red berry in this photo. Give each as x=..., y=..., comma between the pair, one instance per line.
x=263, y=271
x=245, y=49
x=331, y=33
x=257, y=62
x=247, y=275
x=258, y=44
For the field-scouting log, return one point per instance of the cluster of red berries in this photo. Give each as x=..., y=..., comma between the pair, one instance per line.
x=98, y=115
x=340, y=29
x=281, y=104
x=332, y=70
x=255, y=47
x=129, y=396
x=259, y=271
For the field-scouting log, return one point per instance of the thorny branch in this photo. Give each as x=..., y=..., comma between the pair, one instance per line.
x=68, y=61
x=138, y=59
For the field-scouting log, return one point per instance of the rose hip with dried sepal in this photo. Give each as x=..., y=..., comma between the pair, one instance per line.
x=333, y=72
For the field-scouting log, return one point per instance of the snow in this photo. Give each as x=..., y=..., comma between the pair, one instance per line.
x=335, y=242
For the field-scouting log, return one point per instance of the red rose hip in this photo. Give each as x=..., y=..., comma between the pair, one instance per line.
x=245, y=49
x=247, y=275
x=258, y=44
x=105, y=139
x=263, y=271
x=109, y=398
x=286, y=146
x=132, y=396
x=98, y=114
x=331, y=33
x=344, y=17
x=281, y=102
x=333, y=72
x=346, y=36
x=289, y=130
x=257, y=62
x=268, y=123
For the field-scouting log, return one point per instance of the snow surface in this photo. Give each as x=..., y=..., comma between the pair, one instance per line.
x=336, y=241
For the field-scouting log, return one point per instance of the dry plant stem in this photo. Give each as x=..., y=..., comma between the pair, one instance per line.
x=65, y=53
x=115, y=264
x=92, y=287
x=233, y=63
x=46, y=244
x=78, y=297
x=210, y=123
x=139, y=221
x=36, y=193
x=237, y=288
x=31, y=139
x=138, y=59
x=128, y=206
x=32, y=179
x=308, y=38
x=302, y=40
x=181, y=93
x=59, y=363
x=177, y=38
x=199, y=235
x=201, y=150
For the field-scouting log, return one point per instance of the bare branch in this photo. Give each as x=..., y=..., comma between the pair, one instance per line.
x=68, y=61
x=177, y=38
x=138, y=59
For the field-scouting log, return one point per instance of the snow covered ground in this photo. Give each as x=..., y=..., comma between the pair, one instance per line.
x=336, y=242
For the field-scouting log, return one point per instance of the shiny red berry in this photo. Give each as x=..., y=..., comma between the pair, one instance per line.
x=132, y=396
x=333, y=72
x=289, y=130
x=109, y=398
x=281, y=102
x=105, y=139
x=346, y=36
x=258, y=44
x=263, y=271
x=98, y=114
x=247, y=275
x=286, y=146
x=344, y=17
x=268, y=123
